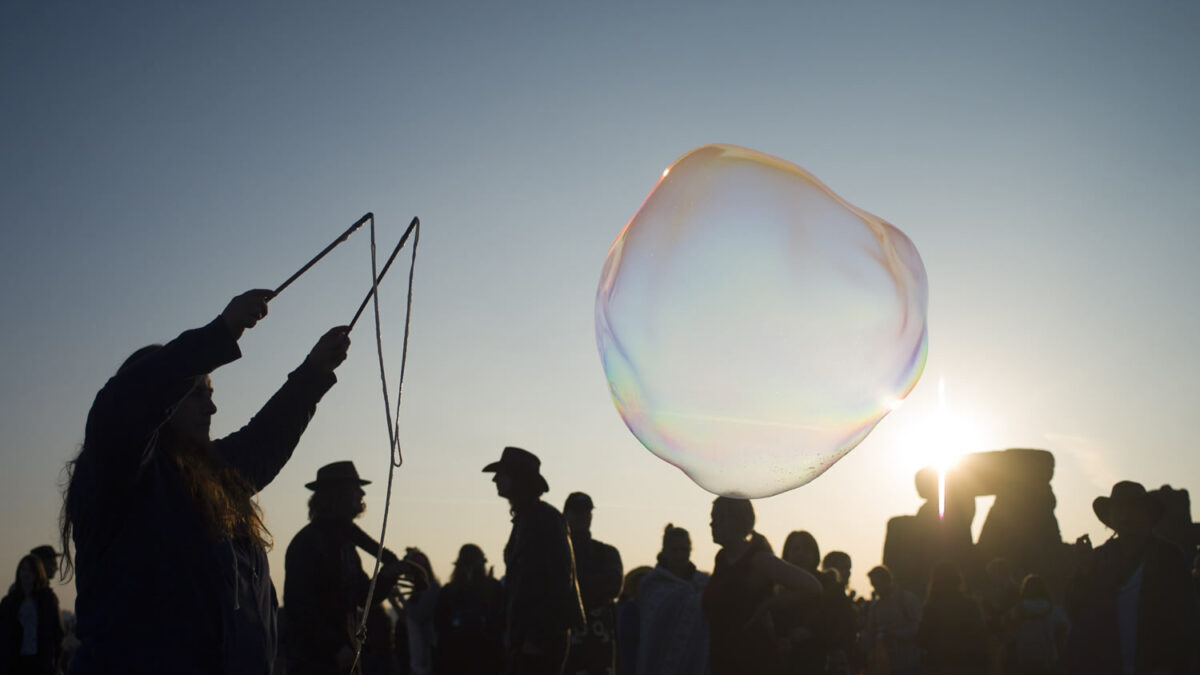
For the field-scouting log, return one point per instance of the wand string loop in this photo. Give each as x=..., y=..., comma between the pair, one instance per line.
x=395, y=456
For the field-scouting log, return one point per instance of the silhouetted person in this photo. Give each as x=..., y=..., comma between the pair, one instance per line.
x=744, y=577
x=325, y=586
x=48, y=557
x=951, y=630
x=674, y=635
x=839, y=561
x=1039, y=629
x=418, y=614
x=541, y=598
x=999, y=594
x=600, y=573
x=817, y=635
x=171, y=566
x=1131, y=606
x=31, y=629
x=469, y=619
x=629, y=621
x=891, y=630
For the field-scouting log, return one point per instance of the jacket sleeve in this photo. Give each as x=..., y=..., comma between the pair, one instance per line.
x=125, y=417
x=260, y=449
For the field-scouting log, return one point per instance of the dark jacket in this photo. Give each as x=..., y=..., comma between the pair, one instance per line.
x=155, y=593
x=49, y=631
x=951, y=633
x=541, y=598
x=598, y=566
x=468, y=620
x=1166, y=612
x=323, y=587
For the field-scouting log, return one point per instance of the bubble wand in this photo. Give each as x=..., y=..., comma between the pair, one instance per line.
x=416, y=222
x=342, y=237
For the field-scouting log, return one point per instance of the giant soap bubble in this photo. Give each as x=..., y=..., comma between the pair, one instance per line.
x=753, y=325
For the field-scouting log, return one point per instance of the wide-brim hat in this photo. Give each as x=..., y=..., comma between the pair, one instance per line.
x=337, y=473
x=1129, y=493
x=515, y=460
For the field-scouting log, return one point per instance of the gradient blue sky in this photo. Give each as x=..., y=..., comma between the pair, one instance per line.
x=160, y=157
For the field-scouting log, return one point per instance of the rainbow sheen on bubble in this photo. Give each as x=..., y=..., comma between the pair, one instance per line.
x=754, y=326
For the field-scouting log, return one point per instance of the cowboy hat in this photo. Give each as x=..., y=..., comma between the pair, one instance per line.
x=1127, y=493
x=337, y=473
x=519, y=461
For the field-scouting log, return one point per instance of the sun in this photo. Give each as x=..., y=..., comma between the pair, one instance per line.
x=942, y=439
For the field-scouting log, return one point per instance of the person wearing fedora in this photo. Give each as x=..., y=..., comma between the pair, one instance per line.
x=170, y=545
x=325, y=586
x=1130, y=601
x=541, y=598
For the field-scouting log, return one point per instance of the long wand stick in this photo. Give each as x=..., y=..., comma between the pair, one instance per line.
x=388, y=264
x=343, y=237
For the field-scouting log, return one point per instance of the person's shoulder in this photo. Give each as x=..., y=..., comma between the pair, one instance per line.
x=759, y=544
x=607, y=549
x=543, y=513
x=306, y=537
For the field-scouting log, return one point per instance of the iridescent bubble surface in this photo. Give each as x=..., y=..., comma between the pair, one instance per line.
x=755, y=327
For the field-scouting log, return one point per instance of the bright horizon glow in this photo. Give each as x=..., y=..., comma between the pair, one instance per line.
x=943, y=439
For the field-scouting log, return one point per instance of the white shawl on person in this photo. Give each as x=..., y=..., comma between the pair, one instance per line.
x=674, y=633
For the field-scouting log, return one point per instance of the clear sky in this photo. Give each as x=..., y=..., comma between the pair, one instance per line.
x=160, y=157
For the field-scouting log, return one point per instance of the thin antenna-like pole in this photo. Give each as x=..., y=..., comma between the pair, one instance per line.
x=343, y=237
x=392, y=257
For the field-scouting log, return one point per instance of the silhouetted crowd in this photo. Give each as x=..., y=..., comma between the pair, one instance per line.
x=171, y=573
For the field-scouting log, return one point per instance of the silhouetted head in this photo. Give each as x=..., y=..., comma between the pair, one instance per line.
x=840, y=561
x=470, y=566
x=1033, y=587
x=577, y=511
x=999, y=571
x=30, y=576
x=337, y=493
x=881, y=579
x=1129, y=510
x=732, y=520
x=191, y=419
x=49, y=558
x=632, y=582
x=676, y=553
x=417, y=557
x=518, y=476
x=801, y=549
x=945, y=579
